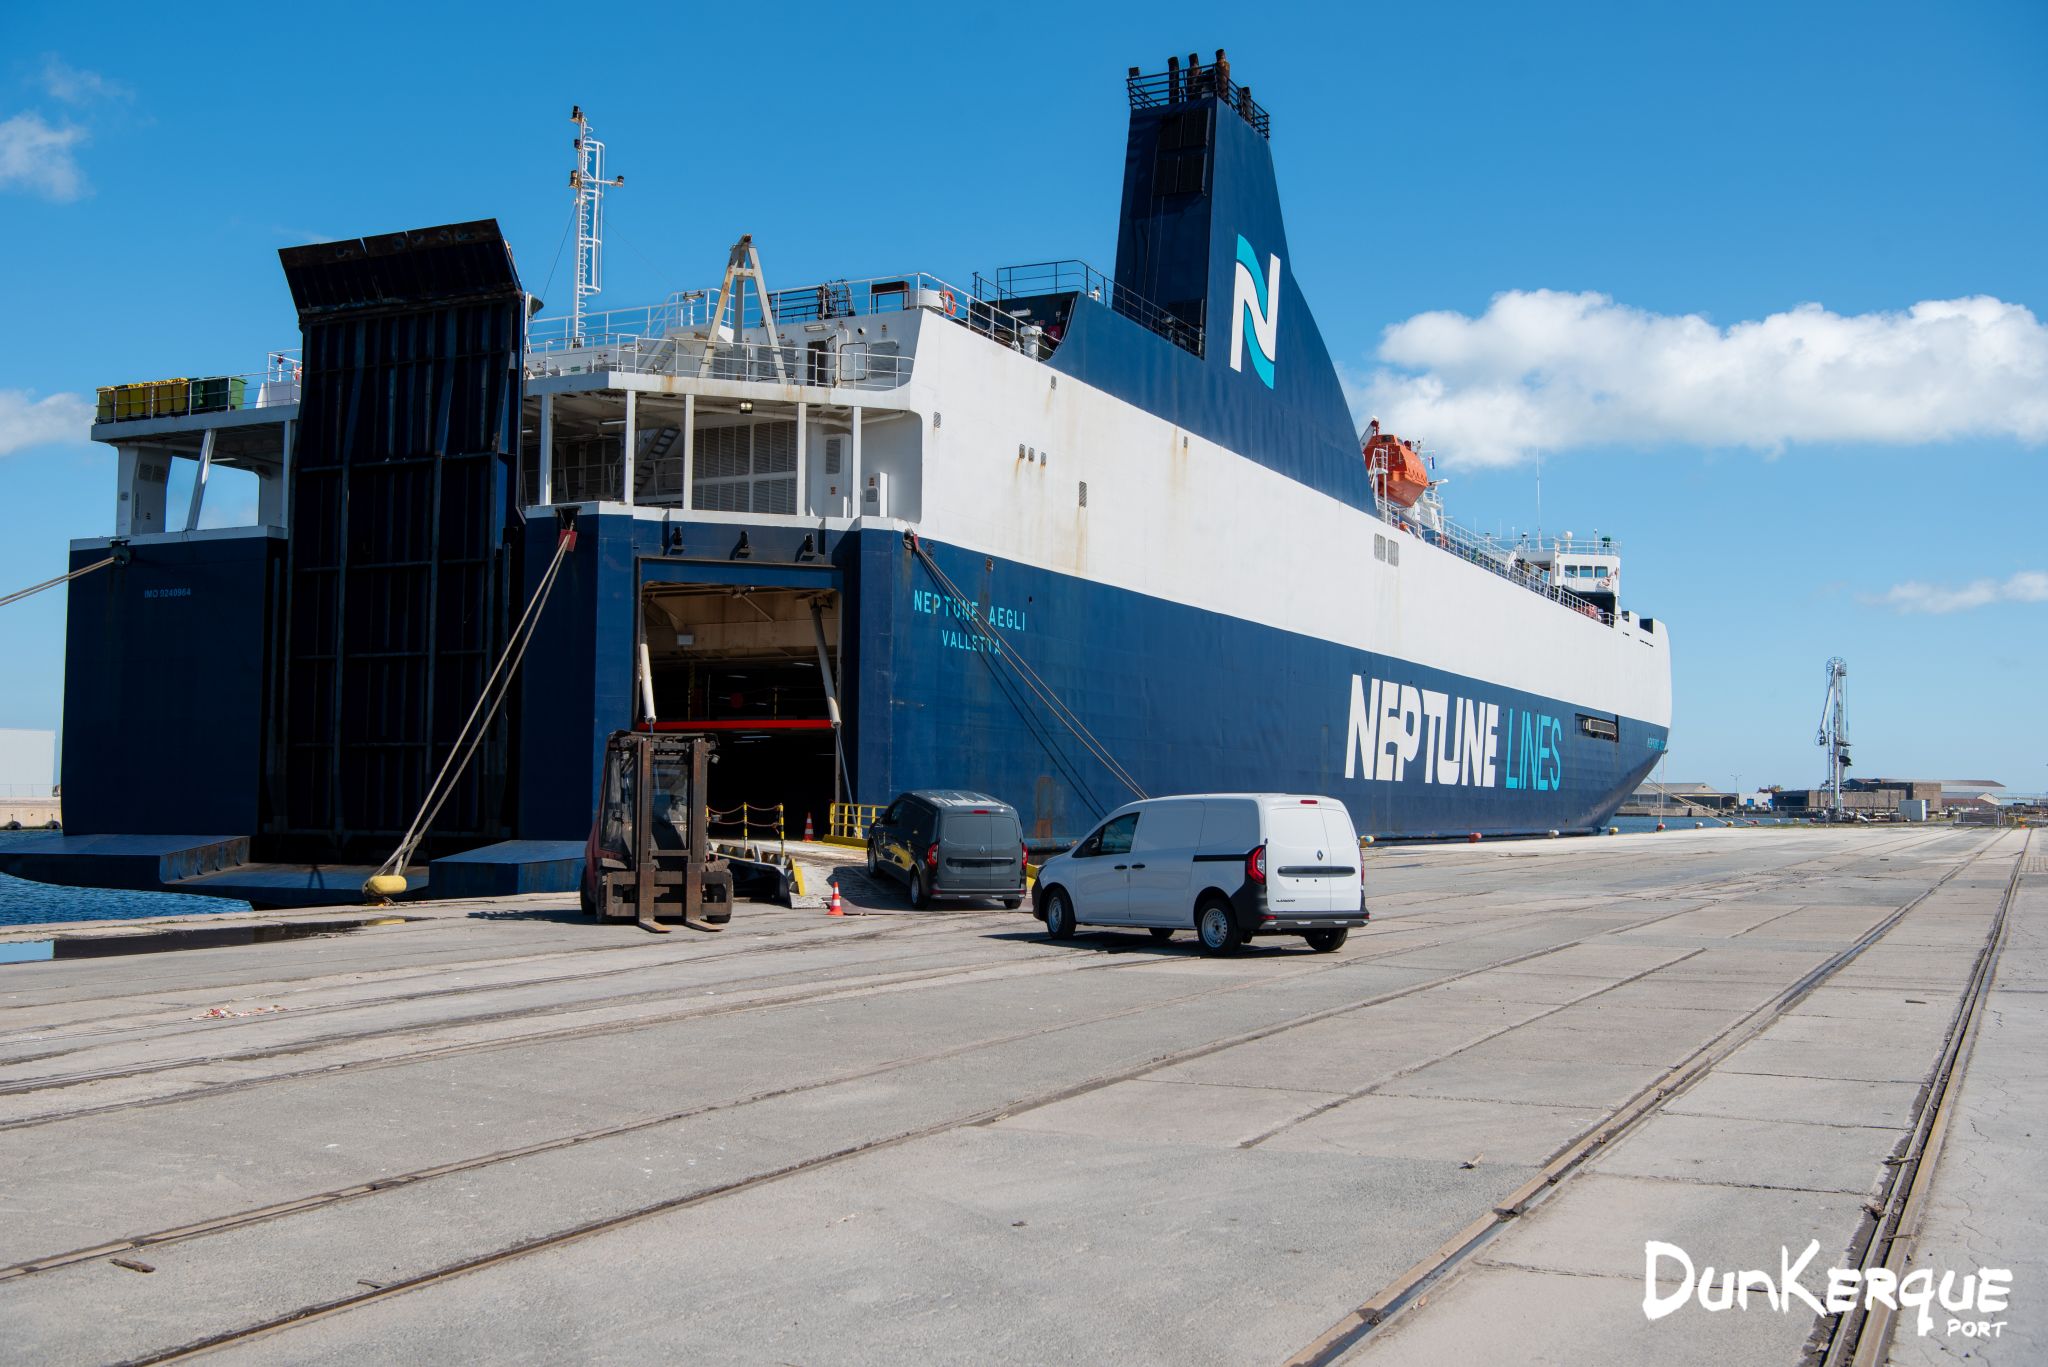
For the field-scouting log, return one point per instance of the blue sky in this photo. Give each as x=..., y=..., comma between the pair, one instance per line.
x=1723, y=163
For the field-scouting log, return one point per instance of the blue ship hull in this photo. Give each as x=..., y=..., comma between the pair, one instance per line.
x=1186, y=701
x=1182, y=699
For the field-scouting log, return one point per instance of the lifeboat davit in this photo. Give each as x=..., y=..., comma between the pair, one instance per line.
x=1398, y=474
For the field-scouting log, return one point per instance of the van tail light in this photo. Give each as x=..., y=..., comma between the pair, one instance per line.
x=1024, y=853
x=1255, y=865
x=931, y=856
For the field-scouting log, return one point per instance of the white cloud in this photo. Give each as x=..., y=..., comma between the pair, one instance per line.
x=1542, y=371
x=73, y=86
x=2028, y=586
x=39, y=158
x=26, y=421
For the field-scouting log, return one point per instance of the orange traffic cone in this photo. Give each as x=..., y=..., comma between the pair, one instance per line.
x=809, y=835
x=832, y=908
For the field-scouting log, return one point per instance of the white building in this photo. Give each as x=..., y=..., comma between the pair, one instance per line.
x=28, y=763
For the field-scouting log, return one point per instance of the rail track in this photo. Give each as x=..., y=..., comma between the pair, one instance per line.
x=1862, y=1337
x=389, y=1181
x=985, y=1116
x=798, y=940
x=1885, y=1240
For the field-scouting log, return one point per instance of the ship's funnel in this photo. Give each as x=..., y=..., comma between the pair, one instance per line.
x=1201, y=239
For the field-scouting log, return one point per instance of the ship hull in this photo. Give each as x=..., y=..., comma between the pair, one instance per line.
x=957, y=668
x=1187, y=700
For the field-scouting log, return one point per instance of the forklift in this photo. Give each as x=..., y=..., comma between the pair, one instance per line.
x=649, y=854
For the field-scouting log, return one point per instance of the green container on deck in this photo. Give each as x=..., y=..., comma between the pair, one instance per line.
x=217, y=394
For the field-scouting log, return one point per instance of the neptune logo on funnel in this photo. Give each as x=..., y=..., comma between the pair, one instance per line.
x=1254, y=297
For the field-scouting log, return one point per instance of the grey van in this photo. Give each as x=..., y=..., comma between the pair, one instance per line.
x=946, y=843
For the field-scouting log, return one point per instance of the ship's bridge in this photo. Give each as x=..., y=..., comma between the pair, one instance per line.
x=1588, y=567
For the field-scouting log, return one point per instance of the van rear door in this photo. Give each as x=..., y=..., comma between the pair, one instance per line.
x=980, y=850
x=1311, y=861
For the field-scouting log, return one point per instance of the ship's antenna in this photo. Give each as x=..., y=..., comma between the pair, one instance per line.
x=587, y=182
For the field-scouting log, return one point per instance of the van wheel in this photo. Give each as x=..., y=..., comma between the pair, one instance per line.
x=1012, y=903
x=1327, y=941
x=919, y=898
x=1059, y=915
x=874, y=864
x=1216, y=927
x=1162, y=933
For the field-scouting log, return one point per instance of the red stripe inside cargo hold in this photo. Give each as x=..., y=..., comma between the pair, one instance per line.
x=740, y=724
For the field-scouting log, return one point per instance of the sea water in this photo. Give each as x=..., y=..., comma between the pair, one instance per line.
x=23, y=903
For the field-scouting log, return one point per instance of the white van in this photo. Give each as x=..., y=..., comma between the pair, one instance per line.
x=1227, y=866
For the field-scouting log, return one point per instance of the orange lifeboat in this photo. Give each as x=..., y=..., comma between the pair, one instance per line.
x=1398, y=474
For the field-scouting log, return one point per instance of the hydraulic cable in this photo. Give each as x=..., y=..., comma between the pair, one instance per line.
x=34, y=589
x=496, y=689
x=1061, y=712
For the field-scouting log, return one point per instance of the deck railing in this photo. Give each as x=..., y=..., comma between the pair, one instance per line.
x=853, y=365
x=689, y=310
x=277, y=384
x=1177, y=86
x=1501, y=557
x=1078, y=277
x=661, y=338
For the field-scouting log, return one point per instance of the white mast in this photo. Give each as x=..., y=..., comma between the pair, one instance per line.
x=588, y=183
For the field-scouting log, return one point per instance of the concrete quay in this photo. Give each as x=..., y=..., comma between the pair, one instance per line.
x=29, y=813
x=495, y=1131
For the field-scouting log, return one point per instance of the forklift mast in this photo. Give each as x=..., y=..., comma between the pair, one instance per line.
x=649, y=846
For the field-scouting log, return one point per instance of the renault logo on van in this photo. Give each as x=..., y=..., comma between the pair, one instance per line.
x=1255, y=298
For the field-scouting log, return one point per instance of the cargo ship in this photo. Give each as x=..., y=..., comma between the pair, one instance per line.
x=1056, y=534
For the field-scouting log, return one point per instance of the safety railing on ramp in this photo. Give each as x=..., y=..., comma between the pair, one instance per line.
x=847, y=823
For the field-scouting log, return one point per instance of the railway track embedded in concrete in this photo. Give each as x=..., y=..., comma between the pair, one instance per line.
x=1405, y=1291
x=985, y=1116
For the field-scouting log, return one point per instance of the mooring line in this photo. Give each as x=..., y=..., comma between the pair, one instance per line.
x=33, y=589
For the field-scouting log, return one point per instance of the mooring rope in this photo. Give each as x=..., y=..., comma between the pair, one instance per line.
x=465, y=744
x=33, y=589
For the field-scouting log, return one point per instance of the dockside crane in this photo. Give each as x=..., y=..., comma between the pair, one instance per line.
x=1833, y=735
